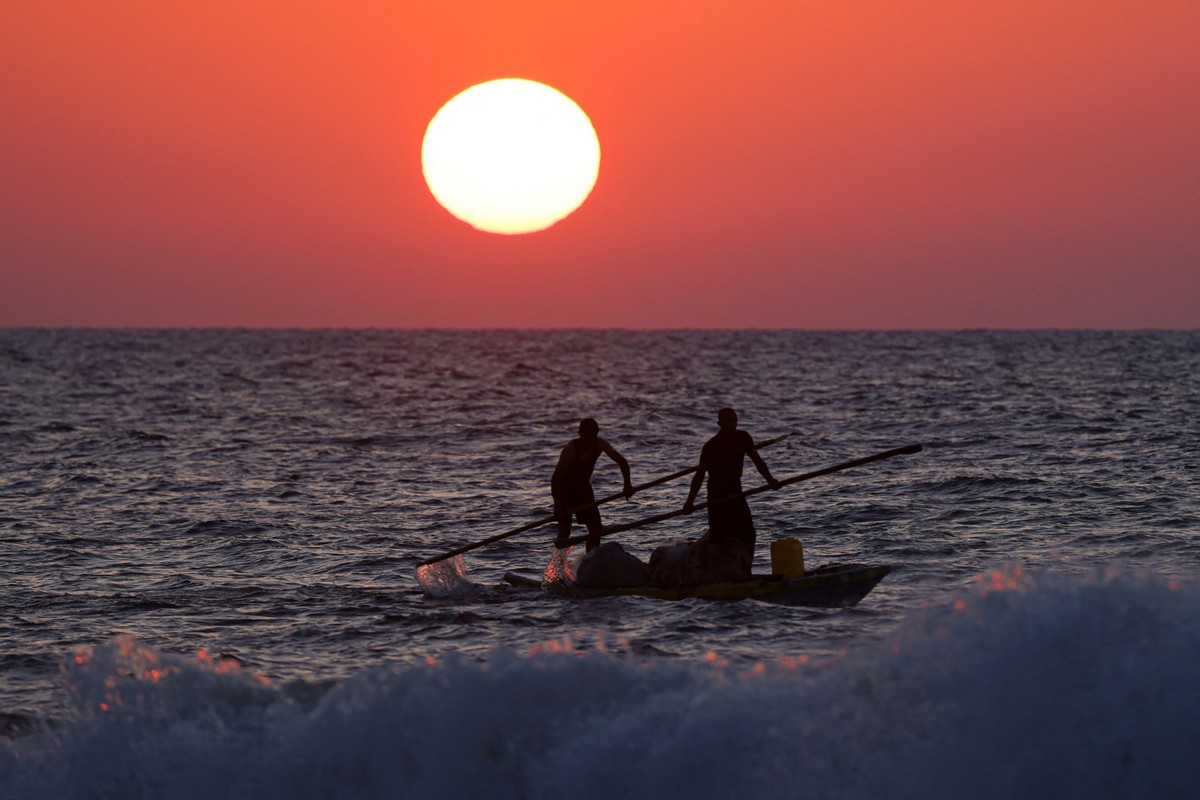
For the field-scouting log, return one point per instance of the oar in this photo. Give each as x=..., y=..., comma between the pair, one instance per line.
x=546, y=520
x=858, y=462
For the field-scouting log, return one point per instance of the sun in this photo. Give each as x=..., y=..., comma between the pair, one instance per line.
x=510, y=156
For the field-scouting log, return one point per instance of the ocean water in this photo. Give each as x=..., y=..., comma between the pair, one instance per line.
x=209, y=540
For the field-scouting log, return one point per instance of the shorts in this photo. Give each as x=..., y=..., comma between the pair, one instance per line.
x=731, y=520
x=585, y=516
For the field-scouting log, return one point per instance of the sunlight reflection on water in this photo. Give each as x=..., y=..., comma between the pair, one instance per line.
x=446, y=578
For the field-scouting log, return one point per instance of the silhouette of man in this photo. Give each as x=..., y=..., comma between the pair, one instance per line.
x=721, y=459
x=571, y=484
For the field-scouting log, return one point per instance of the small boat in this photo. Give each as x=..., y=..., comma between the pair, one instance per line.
x=832, y=586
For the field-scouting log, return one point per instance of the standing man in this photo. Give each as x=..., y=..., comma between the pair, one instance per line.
x=571, y=484
x=730, y=526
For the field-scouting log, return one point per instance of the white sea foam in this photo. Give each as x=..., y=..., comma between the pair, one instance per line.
x=1024, y=686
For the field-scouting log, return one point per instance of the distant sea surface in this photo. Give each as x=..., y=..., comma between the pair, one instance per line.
x=209, y=537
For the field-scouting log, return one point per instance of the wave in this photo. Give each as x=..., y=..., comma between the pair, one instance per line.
x=1024, y=686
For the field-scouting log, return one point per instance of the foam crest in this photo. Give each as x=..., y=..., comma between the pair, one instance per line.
x=1024, y=686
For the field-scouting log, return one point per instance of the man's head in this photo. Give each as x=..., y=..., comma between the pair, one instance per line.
x=589, y=428
x=727, y=419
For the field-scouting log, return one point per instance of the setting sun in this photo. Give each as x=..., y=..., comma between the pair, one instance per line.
x=510, y=156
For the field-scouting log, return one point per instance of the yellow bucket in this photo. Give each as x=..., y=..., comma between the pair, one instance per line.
x=787, y=557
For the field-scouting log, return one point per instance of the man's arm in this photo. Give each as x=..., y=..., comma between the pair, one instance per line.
x=759, y=464
x=565, y=459
x=612, y=453
x=697, y=482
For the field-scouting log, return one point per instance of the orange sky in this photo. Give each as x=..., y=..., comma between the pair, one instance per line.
x=830, y=164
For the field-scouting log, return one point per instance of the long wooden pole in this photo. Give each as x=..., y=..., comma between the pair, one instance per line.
x=858, y=462
x=546, y=520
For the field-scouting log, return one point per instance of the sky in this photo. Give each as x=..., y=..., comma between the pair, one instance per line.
x=832, y=164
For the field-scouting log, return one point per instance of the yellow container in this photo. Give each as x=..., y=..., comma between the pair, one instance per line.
x=787, y=557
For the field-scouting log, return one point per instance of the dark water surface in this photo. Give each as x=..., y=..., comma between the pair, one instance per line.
x=264, y=496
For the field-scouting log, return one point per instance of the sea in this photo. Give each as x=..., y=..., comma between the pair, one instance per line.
x=209, y=543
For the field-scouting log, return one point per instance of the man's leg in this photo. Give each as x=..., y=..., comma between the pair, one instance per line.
x=594, y=531
x=564, y=531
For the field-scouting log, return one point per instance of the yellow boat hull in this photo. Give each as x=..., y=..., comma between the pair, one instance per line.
x=833, y=586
